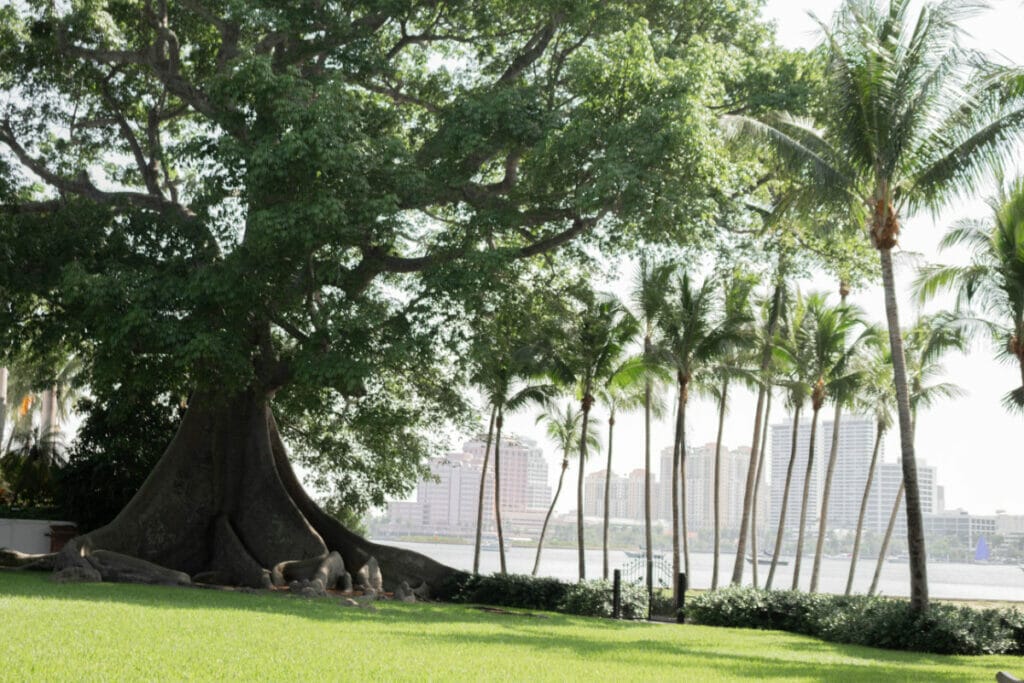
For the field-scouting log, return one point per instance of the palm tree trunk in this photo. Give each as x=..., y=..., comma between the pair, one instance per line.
x=648, y=536
x=607, y=489
x=748, y=491
x=3, y=402
x=803, y=503
x=825, y=493
x=682, y=487
x=676, y=598
x=718, y=481
x=497, y=489
x=588, y=401
x=785, y=501
x=759, y=475
x=884, y=550
x=483, y=487
x=879, y=432
x=915, y=523
x=547, y=517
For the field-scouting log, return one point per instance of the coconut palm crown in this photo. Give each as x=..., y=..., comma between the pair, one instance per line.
x=910, y=118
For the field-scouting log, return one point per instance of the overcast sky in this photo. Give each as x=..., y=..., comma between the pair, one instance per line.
x=975, y=445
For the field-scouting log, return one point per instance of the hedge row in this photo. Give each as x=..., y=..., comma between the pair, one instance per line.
x=587, y=598
x=862, y=620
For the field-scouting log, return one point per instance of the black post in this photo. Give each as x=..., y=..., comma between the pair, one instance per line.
x=650, y=588
x=617, y=594
x=681, y=591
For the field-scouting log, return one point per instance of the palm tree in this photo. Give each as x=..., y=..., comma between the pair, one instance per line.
x=827, y=357
x=848, y=376
x=791, y=352
x=483, y=489
x=695, y=333
x=759, y=476
x=730, y=366
x=562, y=427
x=990, y=290
x=877, y=396
x=596, y=341
x=623, y=391
x=930, y=338
x=766, y=344
x=650, y=286
x=910, y=120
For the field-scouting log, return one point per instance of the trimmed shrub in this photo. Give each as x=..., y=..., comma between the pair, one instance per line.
x=862, y=620
x=588, y=598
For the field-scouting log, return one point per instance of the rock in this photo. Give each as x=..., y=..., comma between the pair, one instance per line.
x=409, y=598
x=346, y=582
x=376, y=578
x=348, y=602
x=77, y=574
x=369, y=594
x=403, y=591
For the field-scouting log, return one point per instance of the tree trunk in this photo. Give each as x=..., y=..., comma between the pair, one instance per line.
x=607, y=489
x=785, y=501
x=648, y=533
x=547, y=517
x=718, y=482
x=588, y=401
x=915, y=524
x=879, y=432
x=223, y=505
x=884, y=550
x=753, y=467
x=497, y=489
x=803, y=503
x=825, y=493
x=483, y=488
x=682, y=487
x=676, y=568
x=759, y=476
x=3, y=403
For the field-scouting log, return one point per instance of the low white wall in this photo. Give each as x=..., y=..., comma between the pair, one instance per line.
x=26, y=535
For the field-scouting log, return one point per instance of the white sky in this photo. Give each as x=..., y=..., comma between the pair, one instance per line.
x=973, y=442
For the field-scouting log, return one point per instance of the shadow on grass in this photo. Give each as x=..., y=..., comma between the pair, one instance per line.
x=664, y=647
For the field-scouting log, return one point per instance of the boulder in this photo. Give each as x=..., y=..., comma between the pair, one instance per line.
x=77, y=574
x=376, y=579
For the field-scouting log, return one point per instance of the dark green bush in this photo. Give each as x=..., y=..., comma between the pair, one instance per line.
x=589, y=598
x=861, y=620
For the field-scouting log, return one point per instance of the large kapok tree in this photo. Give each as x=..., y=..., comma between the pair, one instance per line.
x=273, y=203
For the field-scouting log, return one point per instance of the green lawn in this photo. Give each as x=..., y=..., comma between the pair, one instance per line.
x=121, y=632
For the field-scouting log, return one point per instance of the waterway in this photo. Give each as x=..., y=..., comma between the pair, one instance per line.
x=945, y=580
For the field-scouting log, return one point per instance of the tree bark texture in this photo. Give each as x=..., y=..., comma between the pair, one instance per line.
x=803, y=502
x=884, y=550
x=879, y=432
x=547, y=517
x=718, y=482
x=648, y=535
x=759, y=476
x=497, y=490
x=752, y=468
x=915, y=523
x=483, y=489
x=588, y=401
x=223, y=505
x=825, y=493
x=676, y=567
x=785, y=501
x=607, y=493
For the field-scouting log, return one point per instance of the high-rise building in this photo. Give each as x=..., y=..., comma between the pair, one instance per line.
x=855, y=445
x=448, y=501
x=700, y=486
x=856, y=440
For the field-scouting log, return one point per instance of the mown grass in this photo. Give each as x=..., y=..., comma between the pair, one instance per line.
x=121, y=632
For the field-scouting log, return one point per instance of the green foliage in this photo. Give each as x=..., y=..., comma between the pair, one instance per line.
x=861, y=620
x=586, y=598
x=119, y=442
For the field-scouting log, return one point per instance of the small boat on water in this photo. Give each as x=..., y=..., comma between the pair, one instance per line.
x=642, y=553
x=766, y=559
